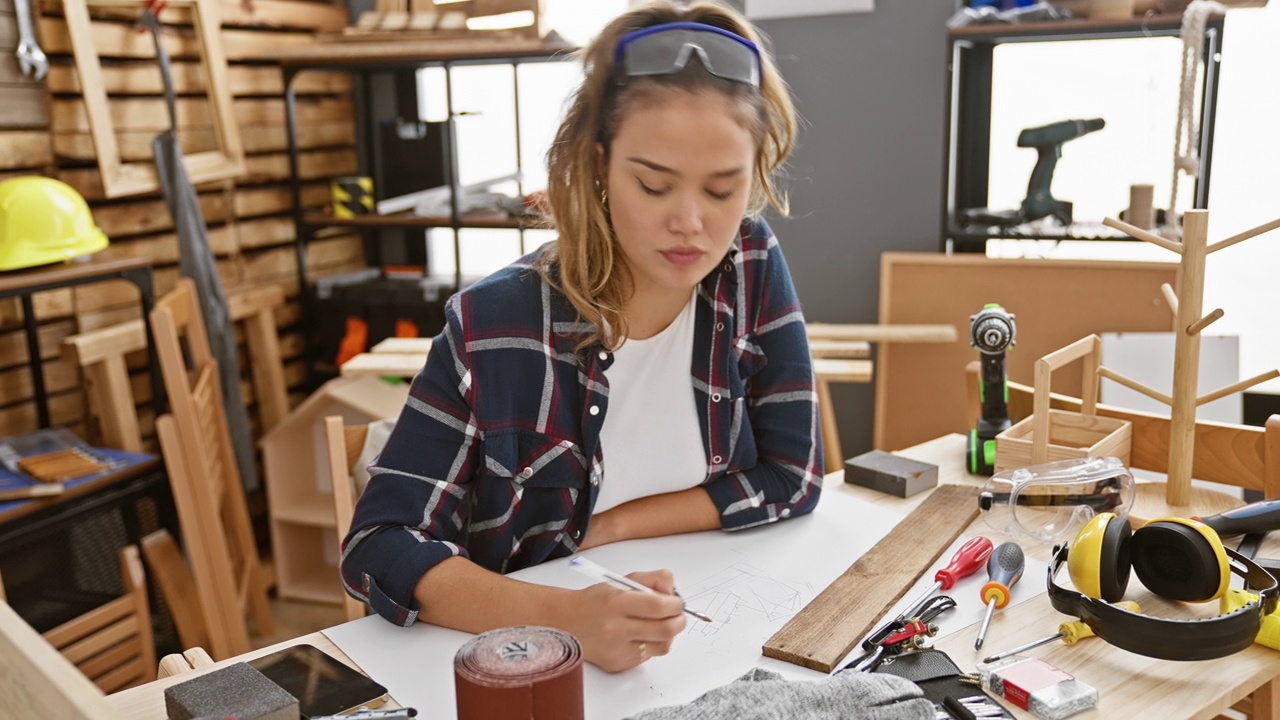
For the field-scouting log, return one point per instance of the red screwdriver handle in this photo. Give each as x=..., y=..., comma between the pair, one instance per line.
x=966, y=561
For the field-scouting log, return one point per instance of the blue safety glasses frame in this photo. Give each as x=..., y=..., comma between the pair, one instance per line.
x=666, y=49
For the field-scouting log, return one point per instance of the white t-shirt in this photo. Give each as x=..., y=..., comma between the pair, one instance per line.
x=651, y=439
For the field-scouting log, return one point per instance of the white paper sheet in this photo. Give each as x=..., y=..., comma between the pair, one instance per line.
x=751, y=582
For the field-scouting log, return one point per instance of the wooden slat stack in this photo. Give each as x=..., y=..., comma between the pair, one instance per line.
x=43, y=130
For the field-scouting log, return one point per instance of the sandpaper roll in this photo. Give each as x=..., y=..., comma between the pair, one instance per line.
x=519, y=673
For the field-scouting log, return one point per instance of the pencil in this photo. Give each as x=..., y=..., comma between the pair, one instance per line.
x=586, y=567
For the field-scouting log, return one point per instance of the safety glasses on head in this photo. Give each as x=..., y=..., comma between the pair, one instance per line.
x=1053, y=501
x=666, y=49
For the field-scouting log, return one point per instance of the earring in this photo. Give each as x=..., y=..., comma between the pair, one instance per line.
x=604, y=196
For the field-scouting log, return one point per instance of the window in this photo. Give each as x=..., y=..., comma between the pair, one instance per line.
x=486, y=136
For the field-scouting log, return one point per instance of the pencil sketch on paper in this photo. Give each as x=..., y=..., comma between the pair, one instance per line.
x=743, y=593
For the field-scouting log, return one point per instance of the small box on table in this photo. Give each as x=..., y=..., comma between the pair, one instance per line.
x=889, y=473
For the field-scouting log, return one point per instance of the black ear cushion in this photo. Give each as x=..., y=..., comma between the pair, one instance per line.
x=1176, y=562
x=1113, y=563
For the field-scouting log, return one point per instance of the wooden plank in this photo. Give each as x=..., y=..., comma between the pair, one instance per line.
x=283, y=14
x=13, y=345
x=88, y=182
x=920, y=389
x=321, y=253
x=149, y=216
x=266, y=232
x=254, y=202
x=24, y=106
x=120, y=40
x=135, y=145
x=24, y=149
x=64, y=409
x=143, y=78
x=146, y=113
x=824, y=632
x=119, y=292
x=164, y=249
x=50, y=305
x=10, y=72
x=882, y=333
x=312, y=165
x=15, y=383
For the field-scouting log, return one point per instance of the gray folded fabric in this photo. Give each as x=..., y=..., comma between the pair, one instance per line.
x=765, y=695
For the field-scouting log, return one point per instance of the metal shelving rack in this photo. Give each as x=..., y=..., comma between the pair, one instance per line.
x=970, y=51
x=366, y=58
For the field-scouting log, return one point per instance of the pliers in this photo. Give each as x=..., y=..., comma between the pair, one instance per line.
x=899, y=634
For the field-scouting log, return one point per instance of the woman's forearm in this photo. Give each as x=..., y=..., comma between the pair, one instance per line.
x=654, y=516
x=461, y=595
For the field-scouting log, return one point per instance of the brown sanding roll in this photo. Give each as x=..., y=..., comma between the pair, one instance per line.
x=519, y=673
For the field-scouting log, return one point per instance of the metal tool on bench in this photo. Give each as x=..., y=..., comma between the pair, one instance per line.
x=31, y=59
x=900, y=634
x=964, y=563
x=1005, y=569
x=992, y=331
x=1070, y=632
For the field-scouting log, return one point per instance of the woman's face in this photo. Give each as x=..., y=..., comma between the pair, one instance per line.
x=678, y=177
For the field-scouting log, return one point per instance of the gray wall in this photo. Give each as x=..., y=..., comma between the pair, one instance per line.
x=867, y=175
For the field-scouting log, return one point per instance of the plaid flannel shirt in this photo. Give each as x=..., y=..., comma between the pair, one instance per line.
x=496, y=455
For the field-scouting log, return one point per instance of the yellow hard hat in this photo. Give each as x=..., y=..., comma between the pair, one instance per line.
x=43, y=221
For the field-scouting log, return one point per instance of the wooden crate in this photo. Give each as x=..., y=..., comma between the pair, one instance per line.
x=1071, y=435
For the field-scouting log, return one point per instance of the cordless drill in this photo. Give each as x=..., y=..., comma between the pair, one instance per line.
x=992, y=332
x=1048, y=140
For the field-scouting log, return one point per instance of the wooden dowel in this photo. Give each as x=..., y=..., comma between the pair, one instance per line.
x=1141, y=234
x=1170, y=297
x=882, y=333
x=1241, y=237
x=1237, y=387
x=1135, y=385
x=1070, y=353
x=1141, y=213
x=1198, y=326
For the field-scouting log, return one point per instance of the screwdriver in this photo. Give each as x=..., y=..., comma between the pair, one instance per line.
x=1004, y=568
x=967, y=559
x=1070, y=632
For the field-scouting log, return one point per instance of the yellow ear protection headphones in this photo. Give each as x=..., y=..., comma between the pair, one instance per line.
x=1174, y=558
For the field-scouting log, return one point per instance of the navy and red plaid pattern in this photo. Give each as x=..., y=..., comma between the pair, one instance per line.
x=496, y=455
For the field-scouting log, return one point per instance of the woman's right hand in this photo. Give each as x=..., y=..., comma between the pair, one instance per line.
x=619, y=629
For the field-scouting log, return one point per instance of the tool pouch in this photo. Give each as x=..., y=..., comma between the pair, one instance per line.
x=938, y=676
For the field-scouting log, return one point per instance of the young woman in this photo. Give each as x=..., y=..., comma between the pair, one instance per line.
x=647, y=374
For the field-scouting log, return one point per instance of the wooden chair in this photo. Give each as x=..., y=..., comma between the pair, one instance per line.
x=196, y=443
x=36, y=681
x=177, y=586
x=343, y=446
x=101, y=354
x=112, y=645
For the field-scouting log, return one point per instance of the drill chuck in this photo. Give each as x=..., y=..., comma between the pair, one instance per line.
x=992, y=330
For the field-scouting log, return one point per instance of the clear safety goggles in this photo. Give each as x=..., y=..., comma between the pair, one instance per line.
x=1051, y=502
x=666, y=49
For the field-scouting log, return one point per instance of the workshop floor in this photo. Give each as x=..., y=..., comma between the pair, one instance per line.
x=295, y=619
